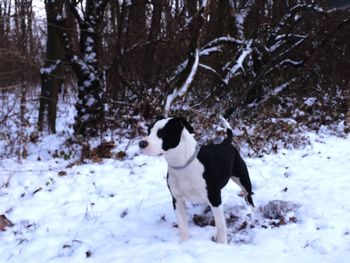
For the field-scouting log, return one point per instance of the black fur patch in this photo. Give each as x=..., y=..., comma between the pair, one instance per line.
x=171, y=133
x=221, y=161
x=185, y=124
x=151, y=126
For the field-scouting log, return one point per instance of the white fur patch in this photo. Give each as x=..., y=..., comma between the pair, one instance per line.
x=154, y=146
x=188, y=184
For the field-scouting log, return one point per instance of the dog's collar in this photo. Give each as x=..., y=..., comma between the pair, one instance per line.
x=189, y=161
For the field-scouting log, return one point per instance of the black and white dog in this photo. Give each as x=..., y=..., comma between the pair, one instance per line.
x=197, y=174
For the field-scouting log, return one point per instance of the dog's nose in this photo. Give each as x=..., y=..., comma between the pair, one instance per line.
x=143, y=144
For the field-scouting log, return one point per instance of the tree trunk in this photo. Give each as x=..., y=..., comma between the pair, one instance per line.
x=137, y=30
x=22, y=29
x=2, y=23
x=90, y=114
x=7, y=18
x=50, y=82
x=148, y=60
x=191, y=7
x=89, y=105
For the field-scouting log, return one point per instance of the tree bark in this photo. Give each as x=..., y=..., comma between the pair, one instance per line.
x=148, y=60
x=50, y=82
x=89, y=105
x=137, y=30
x=2, y=23
x=85, y=64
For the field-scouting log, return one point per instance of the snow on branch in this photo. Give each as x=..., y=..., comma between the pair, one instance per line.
x=177, y=71
x=208, y=51
x=49, y=69
x=280, y=61
x=184, y=88
x=290, y=62
x=283, y=39
x=293, y=16
x=185, y=73
x=239, y=62
x=211, y=47
x=222, y=40
x=277, y=90
x=241, y=16
x=214, y=72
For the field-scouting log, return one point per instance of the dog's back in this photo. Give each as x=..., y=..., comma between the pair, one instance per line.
x=218, y=160
x=223, y=162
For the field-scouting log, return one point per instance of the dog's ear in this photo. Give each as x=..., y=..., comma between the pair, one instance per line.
x=149, y=127
x=185, y=124
x=159, y=117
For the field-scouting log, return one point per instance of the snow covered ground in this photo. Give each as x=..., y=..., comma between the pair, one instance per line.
x=121, y=211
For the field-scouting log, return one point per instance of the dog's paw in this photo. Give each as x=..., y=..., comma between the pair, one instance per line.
x=184, y=237
x=183, y=240
x=242, y=194
x=220, y=239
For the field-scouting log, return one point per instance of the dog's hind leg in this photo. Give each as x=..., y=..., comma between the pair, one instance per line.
x=220, y=224
x=240, y=176
x=247, y=195
x=180, y=211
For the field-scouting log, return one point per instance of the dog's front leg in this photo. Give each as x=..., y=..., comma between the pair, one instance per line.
x=220, y=224
x=180, y=210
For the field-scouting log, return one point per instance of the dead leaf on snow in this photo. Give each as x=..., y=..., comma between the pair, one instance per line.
x=4, y=222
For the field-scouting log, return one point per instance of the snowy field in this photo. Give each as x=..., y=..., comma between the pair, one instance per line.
x=121, y=211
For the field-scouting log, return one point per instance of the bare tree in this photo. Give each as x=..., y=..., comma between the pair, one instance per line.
x=50, y=82
x=154, y=32
x=85, y=62
x=182, y=80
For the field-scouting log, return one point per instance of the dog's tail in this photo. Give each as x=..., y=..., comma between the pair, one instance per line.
x=229, y=135
x=249, y=199
x=228, y=127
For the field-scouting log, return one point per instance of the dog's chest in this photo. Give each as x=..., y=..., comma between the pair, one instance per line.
x=188, y=184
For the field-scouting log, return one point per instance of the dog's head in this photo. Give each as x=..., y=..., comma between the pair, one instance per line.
x=164, y=134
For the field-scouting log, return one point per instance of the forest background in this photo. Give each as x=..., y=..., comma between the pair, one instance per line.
x=273, y=68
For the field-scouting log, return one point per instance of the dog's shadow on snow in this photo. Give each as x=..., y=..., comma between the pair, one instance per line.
x=242, y=223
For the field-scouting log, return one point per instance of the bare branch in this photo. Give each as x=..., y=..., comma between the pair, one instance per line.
x=183, y=83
